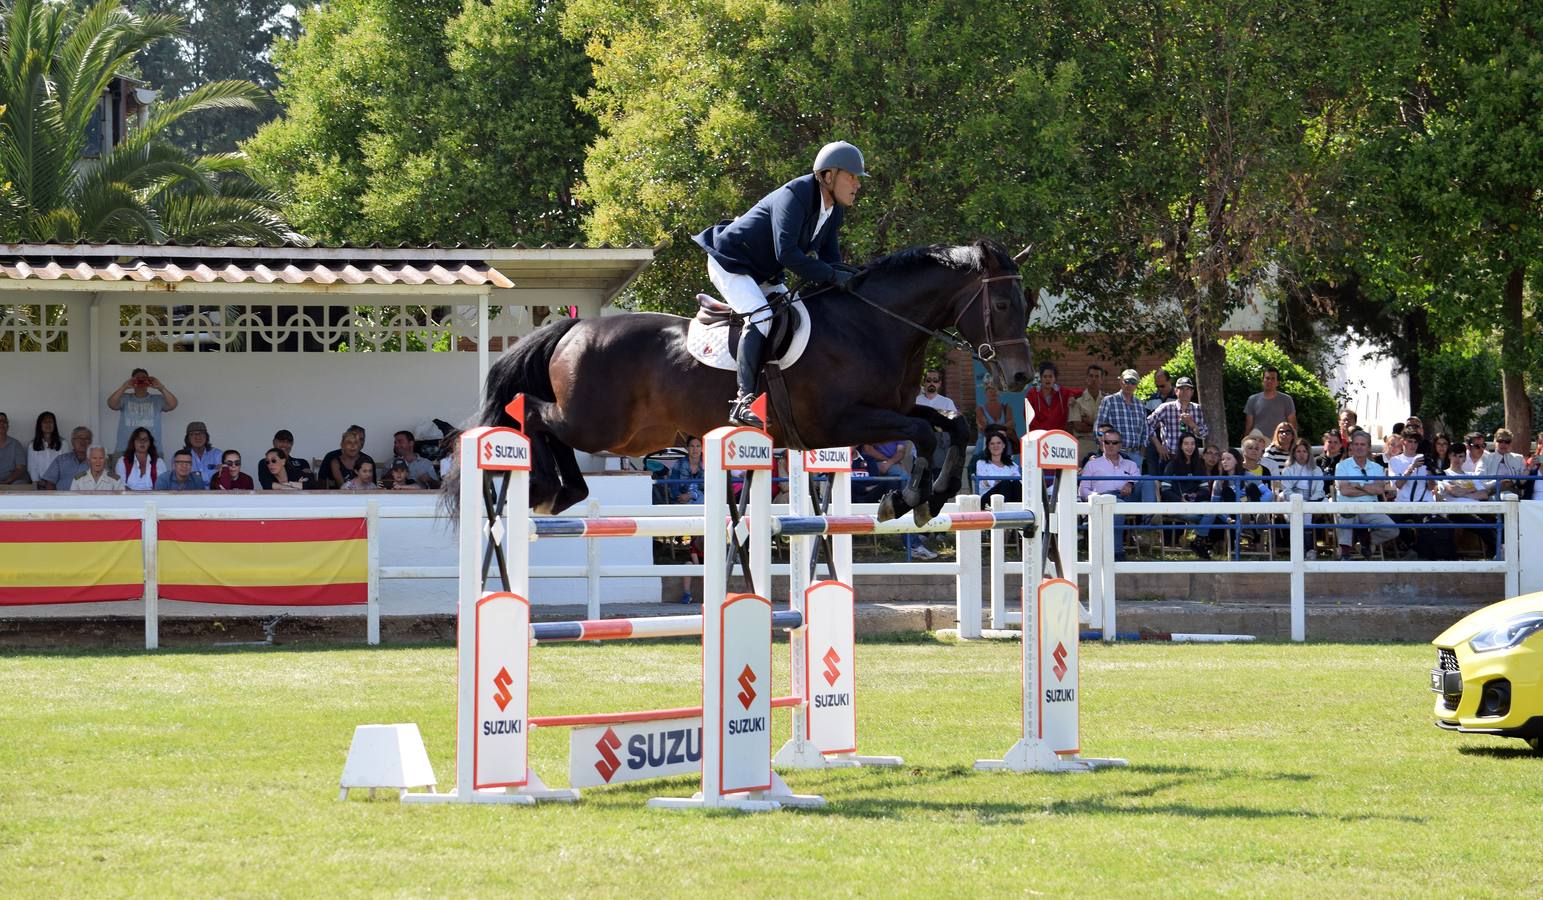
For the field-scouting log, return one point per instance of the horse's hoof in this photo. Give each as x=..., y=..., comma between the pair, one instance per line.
x=922, y=514
x=887, y=508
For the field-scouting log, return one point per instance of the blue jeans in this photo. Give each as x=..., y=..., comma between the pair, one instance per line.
x=1147, y=490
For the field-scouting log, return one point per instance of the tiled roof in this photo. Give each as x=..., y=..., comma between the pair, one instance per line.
x=248, y=273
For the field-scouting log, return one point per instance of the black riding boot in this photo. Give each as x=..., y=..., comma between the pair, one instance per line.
x=751, y=344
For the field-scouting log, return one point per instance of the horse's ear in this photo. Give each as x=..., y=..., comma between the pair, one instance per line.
x=1023, y=254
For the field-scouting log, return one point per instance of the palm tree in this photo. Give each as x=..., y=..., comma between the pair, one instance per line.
x=55, y=65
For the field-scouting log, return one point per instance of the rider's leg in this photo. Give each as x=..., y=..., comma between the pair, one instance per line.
x=752, y=346
x=748, y=297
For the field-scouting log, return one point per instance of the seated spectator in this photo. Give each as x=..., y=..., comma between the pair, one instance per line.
x=96, y=477
x=886, y=460
x=1361, y=480
x=1187, y=467
x=1301, y=477
x=1506, y=463
x=297, y=467
x=68, y=464
x=1333, y=452
x=1534, y=466
x=277, y=475
x=339, y=466
x=363, y=479
x=1224, y=489
x=420, y=471
x=1257, y=488
x=398, y=478
x=685, y=484
x=46, y=447
x=1441, y=452
x=13, y=456
x=1113, y=474
x=991, y=471
x=141, y=463
x=1277, y=456
x=184, y=476
x=231, y=478
x=206, y=457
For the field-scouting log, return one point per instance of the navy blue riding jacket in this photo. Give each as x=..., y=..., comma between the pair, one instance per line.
x=778, y=233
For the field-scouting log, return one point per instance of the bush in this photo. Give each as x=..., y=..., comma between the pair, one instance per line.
x=1246, y=362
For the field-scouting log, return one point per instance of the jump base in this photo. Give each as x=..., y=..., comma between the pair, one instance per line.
x=751, y=801
x=532, y=792
x=796, y=754
x=1027, y=756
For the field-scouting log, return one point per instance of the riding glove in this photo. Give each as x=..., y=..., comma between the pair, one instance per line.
x=840, y=278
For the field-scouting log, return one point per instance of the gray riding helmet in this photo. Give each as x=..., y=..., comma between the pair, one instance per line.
x=840, y=155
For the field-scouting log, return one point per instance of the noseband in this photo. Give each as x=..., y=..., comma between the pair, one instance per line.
x=987, y=351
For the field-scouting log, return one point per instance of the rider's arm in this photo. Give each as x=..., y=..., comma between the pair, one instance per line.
x=787, y=221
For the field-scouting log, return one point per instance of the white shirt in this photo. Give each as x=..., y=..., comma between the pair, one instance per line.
x=825, y=212
x=38, y=461
x=1413, y=491
x=139, y=478
x=108, y=482
x=986, y=467
x=937, y=402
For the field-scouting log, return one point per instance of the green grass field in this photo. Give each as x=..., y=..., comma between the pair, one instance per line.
x=1262, y=769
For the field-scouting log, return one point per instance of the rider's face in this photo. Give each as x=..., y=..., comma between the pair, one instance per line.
x=843, y=186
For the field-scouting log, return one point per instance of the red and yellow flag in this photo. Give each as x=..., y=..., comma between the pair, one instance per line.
x=271, y=562
x=71, y=561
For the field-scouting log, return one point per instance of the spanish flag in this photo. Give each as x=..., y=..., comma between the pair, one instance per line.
x=269, y=562
x=71, y=561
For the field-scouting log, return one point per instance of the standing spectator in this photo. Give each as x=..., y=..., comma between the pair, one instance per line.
x=230, y=477
x=13, y=456
x=1051, y=402
x=1163, y=382
x=991, y=471
x=1177, y=417
x=1361, y=480
x=339, y=466
x=96, y=477
x=206, y=458
x=45, y=448
x=141, y=463
x=994, y=414
x=1269, y=407
x=1277, y=456
x=184, y=476
x=1083, y=412
x=931, y=393
x=420, y=470
x=69, y=464
x=1347, y=425
x=685, y=486
x=1102, y=475
x=1506, y=463
x=1125, y=414
x=364, y=477
x=138, y=408
x=276, y=474
x=298, y=470
x=1333, y=453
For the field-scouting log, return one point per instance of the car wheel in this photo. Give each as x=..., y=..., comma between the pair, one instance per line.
x=1536, y=743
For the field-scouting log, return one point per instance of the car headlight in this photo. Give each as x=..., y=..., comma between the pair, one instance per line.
x=1508, y=633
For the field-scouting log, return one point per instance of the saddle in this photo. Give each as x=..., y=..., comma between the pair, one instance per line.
x=712, y=337
x=787, y=316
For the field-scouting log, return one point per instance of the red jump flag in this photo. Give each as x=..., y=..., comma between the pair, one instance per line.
x=516, y=410
x=758, y=406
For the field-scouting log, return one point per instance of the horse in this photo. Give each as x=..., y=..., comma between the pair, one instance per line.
x=628, y=385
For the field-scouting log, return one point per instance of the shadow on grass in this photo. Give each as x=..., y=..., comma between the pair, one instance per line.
x=1518, y=751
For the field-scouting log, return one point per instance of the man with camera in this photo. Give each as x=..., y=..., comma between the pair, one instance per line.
x=138, y=408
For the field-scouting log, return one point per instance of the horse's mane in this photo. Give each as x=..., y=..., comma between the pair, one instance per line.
x=965, y=257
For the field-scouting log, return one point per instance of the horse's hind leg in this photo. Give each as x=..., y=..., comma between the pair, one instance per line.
x=556, y=482
x=574, y=489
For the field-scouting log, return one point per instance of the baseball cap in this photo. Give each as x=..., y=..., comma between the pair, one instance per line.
x=1130, y=376
x=1184, y=382
x=198, y=428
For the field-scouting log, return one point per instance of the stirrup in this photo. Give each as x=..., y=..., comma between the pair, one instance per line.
x=741, y=414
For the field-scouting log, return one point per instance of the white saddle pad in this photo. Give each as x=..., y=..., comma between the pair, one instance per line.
x=710, y=344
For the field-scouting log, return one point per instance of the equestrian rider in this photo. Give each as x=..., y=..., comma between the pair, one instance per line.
x=793, y=227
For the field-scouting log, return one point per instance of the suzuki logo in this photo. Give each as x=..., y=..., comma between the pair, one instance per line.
x=609, y=762
x=746, y=679
x=487, y=452
x=831, y=672
x=729, y=449
x=502, y=680
x=1060, y=661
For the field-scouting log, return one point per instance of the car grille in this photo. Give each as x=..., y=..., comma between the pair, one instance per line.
x=1446, y=661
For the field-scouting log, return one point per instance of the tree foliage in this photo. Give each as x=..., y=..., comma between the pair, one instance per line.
x=429, y=121
x=56, y=65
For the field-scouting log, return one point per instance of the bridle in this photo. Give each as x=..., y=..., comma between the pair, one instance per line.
x=986, y=353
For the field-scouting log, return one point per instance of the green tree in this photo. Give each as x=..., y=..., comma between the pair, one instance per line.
x=56, y=65
x=428, y=120
x=1245, y=362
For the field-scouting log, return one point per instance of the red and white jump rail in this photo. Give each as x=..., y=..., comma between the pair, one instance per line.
x=781, y=526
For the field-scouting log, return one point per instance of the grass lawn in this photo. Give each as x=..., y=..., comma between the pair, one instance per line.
x=1258, y=769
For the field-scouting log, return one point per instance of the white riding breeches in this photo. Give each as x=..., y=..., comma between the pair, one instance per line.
x=744, y=294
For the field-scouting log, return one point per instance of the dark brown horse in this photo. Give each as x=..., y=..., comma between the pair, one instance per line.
x=628, y=385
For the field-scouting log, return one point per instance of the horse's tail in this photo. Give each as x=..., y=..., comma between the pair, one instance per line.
x=523, y=370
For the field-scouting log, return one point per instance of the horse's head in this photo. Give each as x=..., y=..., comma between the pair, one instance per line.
x=994, y=315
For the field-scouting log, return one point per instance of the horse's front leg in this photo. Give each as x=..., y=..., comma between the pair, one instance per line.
x=873, y=425
x=950, y=478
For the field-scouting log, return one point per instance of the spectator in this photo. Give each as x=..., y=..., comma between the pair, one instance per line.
x=419, y=470
x=137, y=408
x=1277, y=456
x=230, y=477
x=1102, y=475
x=1083, y=412
x=1051, y=402
x=1224, y=489
x=13, y=456
x=364, y=477
x=96, y=477
x=296, y=467
x=1405, y=467
x=339, y=466
x=1441, y=452
x=45, y=448
x=1212, y=457
x=1479, y=461
x=277, y=475
x=1466, y=490
x=141, y=463
x=1301, y=477
x=994, y=414
x=1253, y=464
x=686, y=487
x=1506, y=463
x=1347, y=425
x=1534, y=466
x=184, y=475
x=1187, y=466
x=206, y=458
x=1269, y=407
x=1361, y=480
x=885, y=460
x=1126, y=415
x=991, y=471
x=931, y=393
x=1163, y=382
x=1333, y=452
x=1415, y=442
x=66, y=466
x=399, y=478
x=1175, y=418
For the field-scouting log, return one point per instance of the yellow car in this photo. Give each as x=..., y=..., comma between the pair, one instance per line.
x=1489, y=671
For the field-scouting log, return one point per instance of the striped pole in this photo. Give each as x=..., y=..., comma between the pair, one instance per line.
x=646, y=715
x=676, y=526
x=640, y=628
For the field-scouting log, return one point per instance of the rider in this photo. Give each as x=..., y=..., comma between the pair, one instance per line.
x=793, y=227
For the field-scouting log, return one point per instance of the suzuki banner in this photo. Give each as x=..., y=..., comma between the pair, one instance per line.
x=502, y=697
x=831, y=688
x=1056, y=665
x=634, y=751
x=744, y=675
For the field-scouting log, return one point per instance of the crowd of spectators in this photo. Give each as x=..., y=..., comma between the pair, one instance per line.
x=139, y=462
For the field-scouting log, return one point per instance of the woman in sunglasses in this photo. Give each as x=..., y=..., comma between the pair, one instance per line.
x=230, y=477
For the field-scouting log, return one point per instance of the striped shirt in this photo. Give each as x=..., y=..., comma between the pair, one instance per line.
x=1128, y=417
